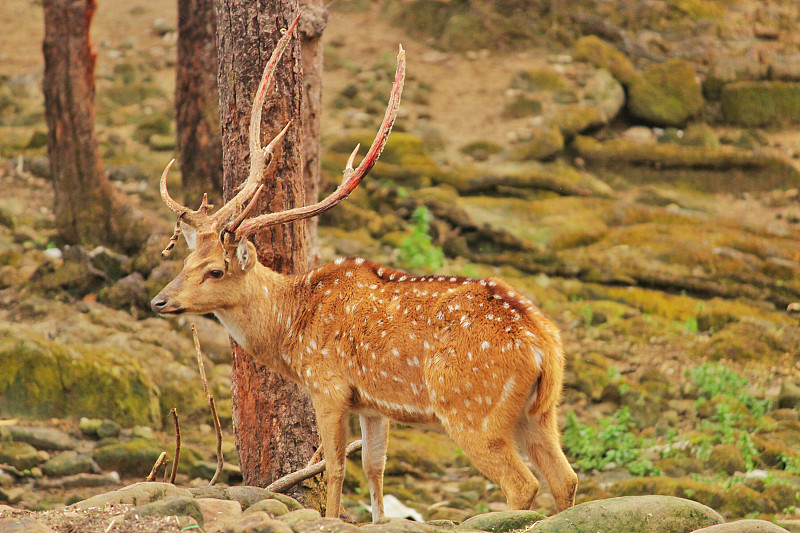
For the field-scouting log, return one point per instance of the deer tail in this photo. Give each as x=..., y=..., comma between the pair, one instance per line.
x=546, y=394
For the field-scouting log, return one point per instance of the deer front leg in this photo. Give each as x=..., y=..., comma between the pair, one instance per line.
x=330, y=422
x=375, y=437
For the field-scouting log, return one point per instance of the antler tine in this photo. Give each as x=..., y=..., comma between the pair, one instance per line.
x=258, y=155
x=197, y=219
x=352, y=177
x=174, y=206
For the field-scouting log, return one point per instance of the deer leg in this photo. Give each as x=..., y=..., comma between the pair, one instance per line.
x=375, y=437
x=330, y=422
x=497, y=458
x=541, y=440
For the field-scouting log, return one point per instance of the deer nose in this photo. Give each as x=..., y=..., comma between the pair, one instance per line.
x=158, y=304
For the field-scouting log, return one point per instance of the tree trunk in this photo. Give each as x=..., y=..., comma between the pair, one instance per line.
x=88, y=209
x=273, y=419
x=311, y=26
x=197, y=102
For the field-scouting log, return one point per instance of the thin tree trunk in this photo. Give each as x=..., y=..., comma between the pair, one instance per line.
x=273, y=419
x=311, y=26
x=88, y=209
x=197, y=102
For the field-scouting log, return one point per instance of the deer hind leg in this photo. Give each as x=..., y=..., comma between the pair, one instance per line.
x=375, y=436
x=331, y=425
x=539, y=437
x=497, y=458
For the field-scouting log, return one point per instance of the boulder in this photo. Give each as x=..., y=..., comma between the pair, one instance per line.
x=501, y=521
x=136, y=494
x=605, y=93
x=726, y=458
x=69, y=463
x=12, y=525
x=598, y=52
x=134, y=458
x=174, y=506
x=761, y=103
x=42, y=438
x=666, y=94
x=574, y=119
x=544, y=144
x=271, y=506
x=20, y=455
x=632, y=514
x=729, y=69
x=743, y=526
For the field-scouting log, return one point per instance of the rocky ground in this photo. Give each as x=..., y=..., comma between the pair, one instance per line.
x=631, y=168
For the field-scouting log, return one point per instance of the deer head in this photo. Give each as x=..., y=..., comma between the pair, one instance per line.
x=221, y=254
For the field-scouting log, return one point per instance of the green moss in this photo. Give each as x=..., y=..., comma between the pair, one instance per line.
x=538, y=80
x=40, y=378
x=574, y=119
x=522, y=106
x=741, y=500
x=700, y=134
x=601, y=54
x=481, y=150
x=544, y=144
x=705, y=493
x=666, y=94
x=761, y=103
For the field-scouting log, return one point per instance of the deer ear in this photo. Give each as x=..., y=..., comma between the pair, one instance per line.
x=190, y=234
x=245, y=254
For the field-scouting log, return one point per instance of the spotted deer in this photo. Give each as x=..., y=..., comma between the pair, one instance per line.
x=472, y=356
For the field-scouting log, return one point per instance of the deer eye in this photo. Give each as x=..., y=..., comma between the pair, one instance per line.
x=215, y=274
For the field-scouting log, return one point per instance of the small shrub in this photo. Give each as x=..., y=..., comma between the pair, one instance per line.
x=417, y=250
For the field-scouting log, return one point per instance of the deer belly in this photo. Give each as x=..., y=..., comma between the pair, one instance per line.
x=397, y=405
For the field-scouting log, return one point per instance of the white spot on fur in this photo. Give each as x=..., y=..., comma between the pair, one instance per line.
x=485, y=345
x=339, y=260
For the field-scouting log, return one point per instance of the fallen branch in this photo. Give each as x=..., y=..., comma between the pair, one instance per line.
x=174, y=413
x=290, y=480
x=156, y=467
x=211, y=404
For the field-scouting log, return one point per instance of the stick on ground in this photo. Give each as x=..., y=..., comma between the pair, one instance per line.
x=174, y=413
x=290, y=480
x=156, y=467
x=211, y=404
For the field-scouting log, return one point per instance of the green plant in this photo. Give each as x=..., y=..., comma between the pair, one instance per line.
x=417, y=250
x=612, y=442
x=715, y=379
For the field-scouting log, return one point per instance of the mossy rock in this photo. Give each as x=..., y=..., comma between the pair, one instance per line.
x=574, y=119
x=169, y=507
x=667, y=94
x=700, y=134
x=136, y=494
x=705, y=493
x=726, y=458
x=680, y=466
x=741, y=500
x=131, y=459
x=538, y=80
x=20, y=455
x=632, y=514
x=605, y=93
x=729, y=69
x=481, y=150
x=601, y=54
x=501, y=521
x=781, y=495
x=761, y=103
x=521, y=107
x=425, y=451
x=42, y=378
x=705, y=169
x=544, y=144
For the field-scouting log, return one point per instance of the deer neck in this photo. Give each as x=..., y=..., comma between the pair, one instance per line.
x=262, y=314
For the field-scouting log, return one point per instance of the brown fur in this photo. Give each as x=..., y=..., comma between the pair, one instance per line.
x=470, y=355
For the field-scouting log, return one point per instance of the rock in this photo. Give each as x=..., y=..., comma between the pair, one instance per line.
x=126, y=293
x=449, y=514
x=136, y=494
x=82, y=480
x=259, y=523
x=522, y=106
x=605, y=93
x=12, y=495
x=700, y=134
x=501, y=521
x=639, y=134
x=12, y=525
x=299, y=515
x=272, y=506
x=784, y=68
x=217, y=513
x=729, y=69
x=601, y=54
x=761, y=103
x=574, y=119
x=538, y=80
x=134, y=458
x=743, y=526
x=726, y=458
x=174, y=506
x=667, y=94
x=230, y=475
x=783, y=496
x=102, y=429
x=42, y=438
x=20, y=455
x=246, y=496
x=69, y=463
x=544, y=144
x=789, y=395
x=742, y=500
x=108, y=261
x=397, y=525
x=325, y=525
x=705, y=493
x=632, y=514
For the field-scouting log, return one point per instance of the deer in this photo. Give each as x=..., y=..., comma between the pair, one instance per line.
x=471, y=356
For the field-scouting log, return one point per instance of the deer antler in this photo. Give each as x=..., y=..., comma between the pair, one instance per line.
x=352, y=177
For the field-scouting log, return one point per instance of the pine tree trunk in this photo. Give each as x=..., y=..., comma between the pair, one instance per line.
x=197, y=102
x=88, y=209
x=273, y=419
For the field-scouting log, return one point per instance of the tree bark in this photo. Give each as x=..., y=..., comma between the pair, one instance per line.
x=88, y=209
x=197, y=102
x=273, y=419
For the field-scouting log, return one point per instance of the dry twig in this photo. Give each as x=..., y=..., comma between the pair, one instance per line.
x=290, y=480
x=156, y=467
x=174, y=413
x=211, y=404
